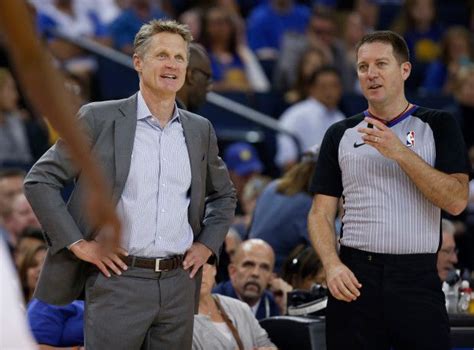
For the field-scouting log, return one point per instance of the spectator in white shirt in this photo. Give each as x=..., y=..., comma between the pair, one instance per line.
x=308, y=120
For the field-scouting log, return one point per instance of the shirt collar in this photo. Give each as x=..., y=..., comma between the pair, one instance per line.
x=143, y=111
x=395, y=120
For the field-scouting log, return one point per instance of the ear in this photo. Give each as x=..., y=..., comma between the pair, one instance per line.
x=232, y=270
x=137, y=63
x=189, y=76
x=406, y=70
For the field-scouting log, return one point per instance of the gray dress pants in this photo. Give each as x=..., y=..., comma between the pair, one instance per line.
x=141, y=309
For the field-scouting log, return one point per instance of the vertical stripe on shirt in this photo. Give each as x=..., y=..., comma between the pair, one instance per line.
x=154, y=204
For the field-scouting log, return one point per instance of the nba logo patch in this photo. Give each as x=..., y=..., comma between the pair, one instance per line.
x=411, y=139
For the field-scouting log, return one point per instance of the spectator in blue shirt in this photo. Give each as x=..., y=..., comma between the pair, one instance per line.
x=268, y=22
x=58, y=326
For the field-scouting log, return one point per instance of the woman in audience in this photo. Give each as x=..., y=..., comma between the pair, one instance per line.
x=417, y=23
x=456, y=53
x=234, y=67
x=311, y=59
x=303, y=268
x=281, y=213
x=22, y=138
x=30, y=239
x=225, y=323
x=30, y=269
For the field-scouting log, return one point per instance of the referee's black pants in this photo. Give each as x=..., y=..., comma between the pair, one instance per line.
x=401, y=305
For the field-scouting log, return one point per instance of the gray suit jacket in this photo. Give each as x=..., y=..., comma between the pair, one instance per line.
x=111, y=127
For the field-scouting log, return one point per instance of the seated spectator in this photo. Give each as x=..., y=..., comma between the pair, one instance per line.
x=303, y=268
x=369, y=11
x=417, y=24
x=251, y=271
x=280, y=217
x=198, y=82
x=30, y=238
x=268, y=22
x=308, y=120
x=76, y=19
x=11, y=184
x=232, y=242
x=311, y=60
x=225, y=323
x=243, y=163
x=354, y=30
x=447, y=255
x=22, y=138
x=320, y=34
x=57, y=326
x=30, y=269
x=252, y=190
x=16, y=216
x=463, y=92
x=234, y=67
x=456, y=53
x=123, y=29
x=193, y=18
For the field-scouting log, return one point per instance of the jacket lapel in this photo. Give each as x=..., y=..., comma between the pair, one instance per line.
x=124, y=136
x=191, y=137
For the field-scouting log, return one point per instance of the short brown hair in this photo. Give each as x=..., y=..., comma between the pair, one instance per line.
x=399, y=45
x=155, y=26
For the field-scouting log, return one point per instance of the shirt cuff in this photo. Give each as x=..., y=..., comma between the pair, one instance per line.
x=70, y=245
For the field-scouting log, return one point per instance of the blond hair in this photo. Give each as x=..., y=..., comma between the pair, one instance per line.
x=155, y=26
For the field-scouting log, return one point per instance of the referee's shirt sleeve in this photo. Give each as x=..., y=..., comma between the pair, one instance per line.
x=451, y=152
x=327, y=178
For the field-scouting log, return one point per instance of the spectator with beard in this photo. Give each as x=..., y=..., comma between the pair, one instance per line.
x=251, y=271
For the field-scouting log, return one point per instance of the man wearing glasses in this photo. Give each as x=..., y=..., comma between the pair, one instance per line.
x=198, y=79
x=447, y=255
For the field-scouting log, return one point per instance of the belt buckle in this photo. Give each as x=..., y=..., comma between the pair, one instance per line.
x=157, y=265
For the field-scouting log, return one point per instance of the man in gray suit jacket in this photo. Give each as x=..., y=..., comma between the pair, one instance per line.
x=172, y=193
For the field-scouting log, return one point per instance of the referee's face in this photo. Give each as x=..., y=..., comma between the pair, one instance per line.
x=381, y=76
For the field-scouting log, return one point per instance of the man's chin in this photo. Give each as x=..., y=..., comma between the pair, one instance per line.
x=252, y=293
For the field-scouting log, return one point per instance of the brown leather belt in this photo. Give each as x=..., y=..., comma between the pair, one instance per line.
x=159, y=265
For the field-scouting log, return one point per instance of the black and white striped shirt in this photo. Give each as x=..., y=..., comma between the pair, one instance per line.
x=384, y=211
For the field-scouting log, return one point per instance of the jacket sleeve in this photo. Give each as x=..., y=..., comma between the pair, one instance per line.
x=43, y=186
x=220, y=199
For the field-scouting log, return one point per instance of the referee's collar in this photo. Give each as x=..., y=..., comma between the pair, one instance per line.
x=395, y=120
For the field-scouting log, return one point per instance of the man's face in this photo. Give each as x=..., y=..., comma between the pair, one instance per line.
x=327, y=89
x=380, y=75
x=162, y=67
x=323, y=29
x=250, y=273
x=23, y=213
x=9, y=95
x=9, y=187
x=447, y=256
x=201, y=75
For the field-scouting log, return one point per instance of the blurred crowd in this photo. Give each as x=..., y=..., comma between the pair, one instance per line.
x=303, y=52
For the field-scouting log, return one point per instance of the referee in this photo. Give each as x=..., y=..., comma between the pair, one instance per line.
x=396, y=165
